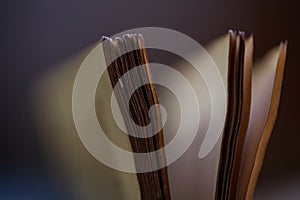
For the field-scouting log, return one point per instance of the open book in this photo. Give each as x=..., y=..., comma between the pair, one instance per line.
x=229, y=170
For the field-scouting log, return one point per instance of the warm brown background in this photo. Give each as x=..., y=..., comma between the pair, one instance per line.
x=37, y=34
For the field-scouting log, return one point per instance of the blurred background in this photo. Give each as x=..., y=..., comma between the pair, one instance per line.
x=38, y=34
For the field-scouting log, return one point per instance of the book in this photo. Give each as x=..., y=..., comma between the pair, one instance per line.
x=229, y=171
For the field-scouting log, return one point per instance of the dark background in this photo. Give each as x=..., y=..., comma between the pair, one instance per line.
x=37, y=34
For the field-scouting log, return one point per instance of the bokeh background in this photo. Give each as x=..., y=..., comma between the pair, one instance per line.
x=35, y=35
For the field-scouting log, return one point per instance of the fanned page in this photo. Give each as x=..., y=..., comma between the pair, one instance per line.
x=191, y=177
x=266, y=90
x=199, y=177
x=67, y=159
